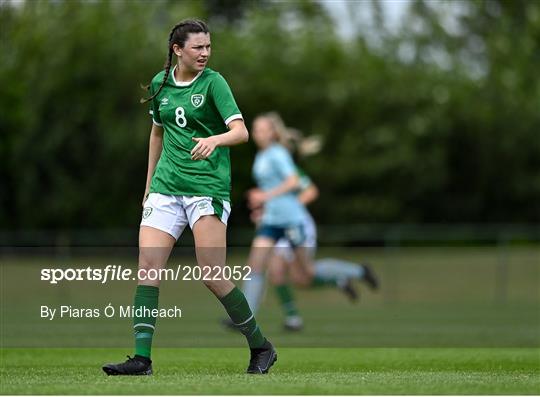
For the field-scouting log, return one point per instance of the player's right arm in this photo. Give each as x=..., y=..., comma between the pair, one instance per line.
x=154, y=152
x=257, y=197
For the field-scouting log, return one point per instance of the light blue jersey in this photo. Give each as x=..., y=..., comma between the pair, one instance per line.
x=271, y=167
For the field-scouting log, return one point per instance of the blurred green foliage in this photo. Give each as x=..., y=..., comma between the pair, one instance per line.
x=436, y=122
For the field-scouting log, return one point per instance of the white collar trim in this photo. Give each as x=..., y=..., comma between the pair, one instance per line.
x=184, y=83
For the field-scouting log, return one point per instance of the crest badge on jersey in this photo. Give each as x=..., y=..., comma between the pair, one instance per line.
x=197, y=100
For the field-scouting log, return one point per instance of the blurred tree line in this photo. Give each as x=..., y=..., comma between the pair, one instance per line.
x=437, y=121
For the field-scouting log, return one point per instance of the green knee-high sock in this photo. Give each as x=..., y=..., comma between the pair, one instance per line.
x=286, y=299
x=146, y=298
x=238, y=309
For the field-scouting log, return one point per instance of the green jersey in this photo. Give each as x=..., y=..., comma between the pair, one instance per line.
x=200, y=108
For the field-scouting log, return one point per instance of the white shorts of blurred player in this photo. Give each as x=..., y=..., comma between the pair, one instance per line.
x=171, y=214
x=284, y=249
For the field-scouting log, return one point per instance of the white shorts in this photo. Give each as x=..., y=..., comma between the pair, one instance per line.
x=283, y=246
x=171, y=214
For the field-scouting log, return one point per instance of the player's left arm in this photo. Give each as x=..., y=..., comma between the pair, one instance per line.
x=222, y=96
x=236, y=135
x=309, y=194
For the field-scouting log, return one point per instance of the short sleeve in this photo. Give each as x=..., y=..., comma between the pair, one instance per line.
x=154, y=108
x=224, y=100
x=283, y=162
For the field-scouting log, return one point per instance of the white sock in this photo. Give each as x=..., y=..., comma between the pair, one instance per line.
x=253, y=290
x=330, y=269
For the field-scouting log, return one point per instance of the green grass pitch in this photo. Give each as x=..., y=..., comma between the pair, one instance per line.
x=298, y=371
x=447, y=321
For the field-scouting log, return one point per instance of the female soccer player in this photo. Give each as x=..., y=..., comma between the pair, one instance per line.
x=283, y=259
x=195, y=119
x=283, y=214
x=328, y=271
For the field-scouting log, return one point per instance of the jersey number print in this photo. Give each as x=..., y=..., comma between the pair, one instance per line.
x=180, y=117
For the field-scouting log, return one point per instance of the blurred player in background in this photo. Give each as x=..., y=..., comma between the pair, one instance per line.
x=195, y=119
x=287, y=226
